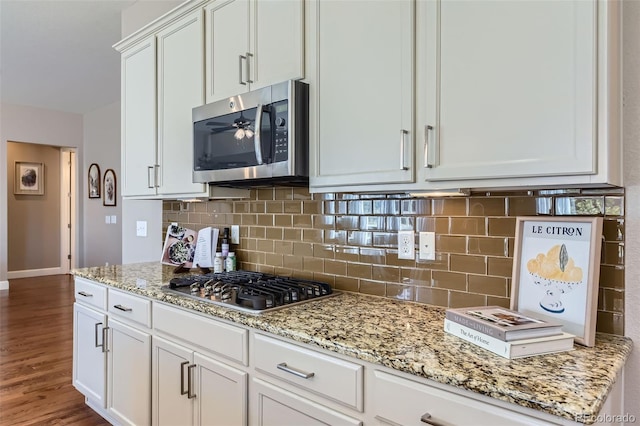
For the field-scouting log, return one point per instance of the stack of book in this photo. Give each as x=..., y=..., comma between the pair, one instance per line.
x=507, y=333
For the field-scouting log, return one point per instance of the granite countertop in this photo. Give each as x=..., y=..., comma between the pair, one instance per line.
x=409, y=337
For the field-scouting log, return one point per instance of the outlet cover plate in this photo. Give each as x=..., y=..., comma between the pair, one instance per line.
x=427, y=246
x=406, y=245
x=235, y=234
x=141, y=228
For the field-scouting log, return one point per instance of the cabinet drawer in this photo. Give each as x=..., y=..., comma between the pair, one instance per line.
x=130, y=307
x=399, y=401
x=90, y=293
x=218, y=338
x=330, y=377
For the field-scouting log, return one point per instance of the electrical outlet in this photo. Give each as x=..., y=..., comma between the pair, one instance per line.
x=107, y=219
x=406, y=245
x=427, y=246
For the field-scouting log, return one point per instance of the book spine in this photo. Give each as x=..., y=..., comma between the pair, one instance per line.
x=476, y=325
x=489, y=343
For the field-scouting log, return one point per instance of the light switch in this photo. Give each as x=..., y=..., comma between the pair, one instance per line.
x=235, y=234
x=141, y=228
x=107, y=219
x=114, y=219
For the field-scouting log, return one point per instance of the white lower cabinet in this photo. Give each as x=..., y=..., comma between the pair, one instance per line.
x=89, y=357
x=129, y=374
x=275, y=406
x=111, y=359
x=192, y=388
x=185, y=368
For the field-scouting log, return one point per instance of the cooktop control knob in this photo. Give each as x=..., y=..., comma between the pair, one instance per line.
x=280, y=122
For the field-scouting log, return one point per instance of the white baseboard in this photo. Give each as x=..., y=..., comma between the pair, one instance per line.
x=34, y=273
x=4, y=285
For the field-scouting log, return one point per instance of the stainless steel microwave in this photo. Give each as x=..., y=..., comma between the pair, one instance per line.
x=258, y=138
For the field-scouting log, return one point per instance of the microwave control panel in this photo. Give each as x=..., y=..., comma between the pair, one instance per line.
x=281, y=131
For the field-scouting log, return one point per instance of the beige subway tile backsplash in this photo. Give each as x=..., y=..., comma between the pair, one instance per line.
x=350, y=241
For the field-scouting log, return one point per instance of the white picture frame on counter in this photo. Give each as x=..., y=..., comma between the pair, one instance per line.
x=556, y=268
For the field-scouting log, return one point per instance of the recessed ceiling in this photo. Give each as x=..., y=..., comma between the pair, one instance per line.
x=57, y=54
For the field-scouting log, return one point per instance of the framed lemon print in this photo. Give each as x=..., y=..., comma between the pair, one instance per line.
x=556, y=268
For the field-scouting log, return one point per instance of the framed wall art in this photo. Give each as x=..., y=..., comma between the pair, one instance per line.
x=556, y=269
x=94, y=181
x=109, y=188
x=29, y=178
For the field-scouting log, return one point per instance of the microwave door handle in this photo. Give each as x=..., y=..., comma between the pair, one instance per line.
x=257, y=134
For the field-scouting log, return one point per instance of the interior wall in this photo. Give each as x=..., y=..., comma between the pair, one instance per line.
x=38, y=126
x=102, y=241
x=631, y=132
x=34, y=236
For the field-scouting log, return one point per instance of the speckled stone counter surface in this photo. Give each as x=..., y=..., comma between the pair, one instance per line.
x=409, y=337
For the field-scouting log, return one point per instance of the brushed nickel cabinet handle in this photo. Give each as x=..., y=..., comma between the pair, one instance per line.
x=105, y=334
x=240, y=58
x=182, y=391
x=123, y=308
x=156, y=175
x=427, y=130
x=426, y=418
x=98, y=324
x=149, y=172
x=85, y=294
x=190, y=381
x=248, y=58
x=403, y=133
x=283, y=366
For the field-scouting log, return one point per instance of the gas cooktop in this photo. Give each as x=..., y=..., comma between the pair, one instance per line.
x=253, y=292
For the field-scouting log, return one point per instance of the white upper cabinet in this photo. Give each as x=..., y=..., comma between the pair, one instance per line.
x=180, y=89
x=517, y=92
x=361, y=75
x=138, y=116
x=252, y=44
x=162, y=80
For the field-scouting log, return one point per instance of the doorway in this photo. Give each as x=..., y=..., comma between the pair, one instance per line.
x=41, y=237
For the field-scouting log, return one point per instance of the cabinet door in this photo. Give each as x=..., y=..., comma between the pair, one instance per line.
x=275, y=406
x=129, y=374
x=276, y=42
x=513, y=92
x=180, y=89
x=221, y=393
x=89, y=359
x=138, y=115
x=362, y=126
x=170, y=372
x=226, y=48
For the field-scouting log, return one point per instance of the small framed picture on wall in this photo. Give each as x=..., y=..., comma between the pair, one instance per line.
x=110, y=188
x=29, y=178
x=94, y=181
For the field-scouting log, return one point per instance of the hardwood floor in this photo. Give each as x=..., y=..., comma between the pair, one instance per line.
x=36, y=339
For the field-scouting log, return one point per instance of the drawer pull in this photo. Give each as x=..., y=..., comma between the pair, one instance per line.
x=123, y=308
x=190, y=381
x=85, y=294
x=426, y=418
x=283, y=366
